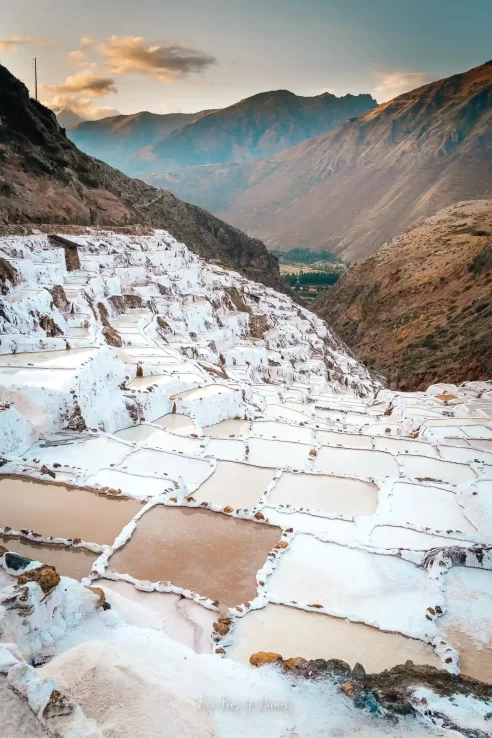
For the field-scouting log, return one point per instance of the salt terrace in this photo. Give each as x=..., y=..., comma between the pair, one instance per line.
x=169, y=429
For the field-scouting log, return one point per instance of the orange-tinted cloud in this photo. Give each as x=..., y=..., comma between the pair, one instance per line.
x=85, y=82
x=133, y=55
x=13, y=42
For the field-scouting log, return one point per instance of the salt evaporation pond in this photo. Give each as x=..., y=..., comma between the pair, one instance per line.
x=466, y=625
x=378, y=590
x=427, y=506
x=53, y=359
x=227, y=428
x=69, y=562
x=182, y=619
x=361, y=463
x=176, y=423
x=237, y=485
x=338, y=495
x=347, y=440
x=209, y=553
x=63, y=512
x=292, y=632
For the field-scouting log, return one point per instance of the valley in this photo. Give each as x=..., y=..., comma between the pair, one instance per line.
x=245, y=485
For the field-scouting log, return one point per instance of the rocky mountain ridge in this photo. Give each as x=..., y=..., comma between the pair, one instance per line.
x=258, y=126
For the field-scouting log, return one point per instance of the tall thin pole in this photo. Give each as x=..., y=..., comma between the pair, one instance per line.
x=35, y=79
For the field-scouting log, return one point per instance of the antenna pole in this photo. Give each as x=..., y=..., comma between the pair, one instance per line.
x=35, y=79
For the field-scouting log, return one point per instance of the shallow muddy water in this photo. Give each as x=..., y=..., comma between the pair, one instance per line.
x=64, y=512
x=69, y=562
x=293, y=632
x=209, y=553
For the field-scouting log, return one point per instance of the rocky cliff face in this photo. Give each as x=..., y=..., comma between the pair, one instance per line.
x=421, y=306
x=44, y=178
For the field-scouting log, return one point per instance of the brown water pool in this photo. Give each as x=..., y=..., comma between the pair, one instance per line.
x=65, y=512
x=69, y=562
x=209, y=553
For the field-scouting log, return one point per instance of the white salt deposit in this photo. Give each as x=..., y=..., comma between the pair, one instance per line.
x=196, y=411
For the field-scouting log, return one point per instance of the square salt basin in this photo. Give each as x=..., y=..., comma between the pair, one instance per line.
x=69, y=562
x=209, y=553
x=358, y=462
x=63, y=512
x=420, y=467
x=278, y=454
x=234, y=484
x=383, y=591
x=427, y=506
x=292, y=632
x=337, y=495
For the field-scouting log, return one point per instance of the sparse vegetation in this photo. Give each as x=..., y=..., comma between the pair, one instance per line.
x=304, y=256
x=482, y=262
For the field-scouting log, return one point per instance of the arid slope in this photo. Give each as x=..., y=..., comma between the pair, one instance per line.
x=420, y=308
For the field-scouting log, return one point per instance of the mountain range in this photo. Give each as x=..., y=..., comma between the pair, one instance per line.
x=259, y=126
x=126, y=141
x=355, y=187
x=44, y=178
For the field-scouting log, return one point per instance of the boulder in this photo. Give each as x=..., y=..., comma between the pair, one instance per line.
x=264, y=657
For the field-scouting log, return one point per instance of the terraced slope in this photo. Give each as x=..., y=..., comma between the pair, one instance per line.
x=236, y=491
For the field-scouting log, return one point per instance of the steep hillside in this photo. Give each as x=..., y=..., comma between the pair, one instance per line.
x=352, y=189
x=253, y=128
x=421, y=306
x=44, y=178
x=116, y=140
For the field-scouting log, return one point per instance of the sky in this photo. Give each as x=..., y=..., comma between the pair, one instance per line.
x=100, y=57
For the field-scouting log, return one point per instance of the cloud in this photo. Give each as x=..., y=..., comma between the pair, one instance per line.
x=133, y=55
x=77, y=93
x=392, y=84
x=78, y=56
x=85, y=82
x=83, y=106
x=13, y=43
